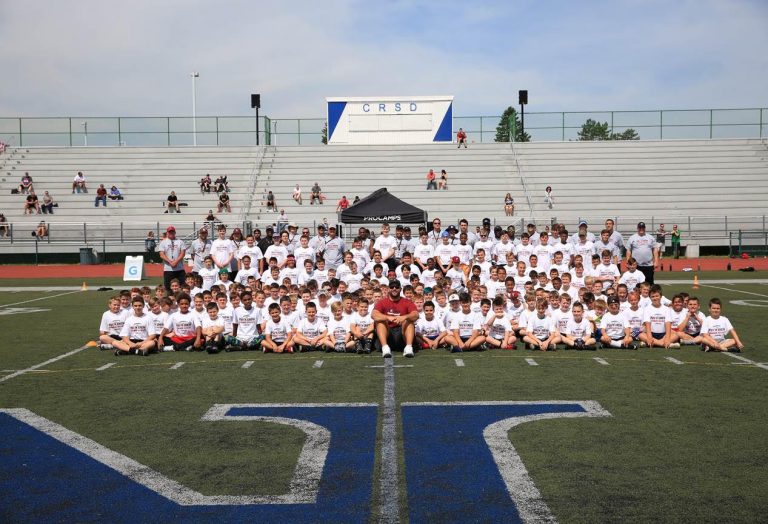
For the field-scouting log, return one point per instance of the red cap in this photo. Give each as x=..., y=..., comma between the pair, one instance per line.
x=455, y=260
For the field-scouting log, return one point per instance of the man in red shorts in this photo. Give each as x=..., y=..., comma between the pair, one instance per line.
x=395, y=319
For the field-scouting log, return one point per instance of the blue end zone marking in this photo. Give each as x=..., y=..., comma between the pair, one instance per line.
x=444, y=133
x=335, y=109
x=450, y=471
x=44, y=480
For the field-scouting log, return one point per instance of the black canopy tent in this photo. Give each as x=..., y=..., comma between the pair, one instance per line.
x=382, y=206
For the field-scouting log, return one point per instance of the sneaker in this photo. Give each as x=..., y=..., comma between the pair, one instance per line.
x=632, y=346
x=359, y=347
x=118, y=353
x=408, y=351
x=386, y=352
x=339, y=347
x=456, y=349
x=328, y=350
x=643, y=345
x=106, y=347
x=675, y=345
x=368, y=345
x=142, y=352
x=705, y=348
x=482, y=347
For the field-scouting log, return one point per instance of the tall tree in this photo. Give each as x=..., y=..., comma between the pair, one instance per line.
x=504, y=129
x=593, y=130
x=324, y=133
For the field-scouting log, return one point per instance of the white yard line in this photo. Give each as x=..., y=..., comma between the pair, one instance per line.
x=737, y=290
x=41, y=298
x=674, y=360
x=459, y=363
x=531, y=362
x=318, y=364
x=601, y=361
x=42, y=364
x=106, y=366
x=388, y=489
x=40, y=289
x=177, y=365
x=247, y=364
x=760, y=365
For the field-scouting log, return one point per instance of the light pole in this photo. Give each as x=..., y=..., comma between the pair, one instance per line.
x=194, y=75
x=85, y=133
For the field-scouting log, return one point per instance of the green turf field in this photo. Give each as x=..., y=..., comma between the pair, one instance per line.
x=684, y=443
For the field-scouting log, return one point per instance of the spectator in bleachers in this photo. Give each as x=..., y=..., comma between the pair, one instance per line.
x=224, y=203
x=211, y=222
x=317, y=194
x=205, y=183
x=356, y=200
x=548, y=198
x=343, y=204
x=282, y=221
x=101, y=196
x=5, y=229
x=78, y=183
x=3, y=146
x=25, y=186
x=461, y=138
x=48, y=204
x=172, y=203
x=41, y=231
x=221, y=184
x=443, y=182
x=31, y=204
x=271, y=204
x=431, y=184
x=115, y=194
x=509, y=205
x=297, y=194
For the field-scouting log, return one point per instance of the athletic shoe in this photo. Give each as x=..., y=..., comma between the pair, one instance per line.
x=169, y=348
x=674, y=345
x=386, y=352
x=482, y=347
x=368, y=345
x=705, y=348
x=118, y=353
x=142, y=352
x=106, y=347
x=289, y=350
x=408, y=351
x=643, y=344
x=734, y=349
x=359, y=347
x=339, y=347
x=631, y=346
x=456, y=349
x=328, y=350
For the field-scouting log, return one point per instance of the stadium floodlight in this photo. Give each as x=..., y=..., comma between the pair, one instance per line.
x=85, y=133
x=523, y=100
x=194, y=75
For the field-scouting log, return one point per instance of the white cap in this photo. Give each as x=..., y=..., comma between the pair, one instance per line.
x=453, y=297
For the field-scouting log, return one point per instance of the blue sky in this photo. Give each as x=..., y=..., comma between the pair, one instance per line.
x=109, y=58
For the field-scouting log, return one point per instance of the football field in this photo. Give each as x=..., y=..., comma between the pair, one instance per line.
x=495, y=436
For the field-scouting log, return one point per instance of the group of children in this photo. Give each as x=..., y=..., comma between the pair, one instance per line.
x=495, y=295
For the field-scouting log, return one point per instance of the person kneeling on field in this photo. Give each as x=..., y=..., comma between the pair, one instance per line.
x=182, y=330
x=138, y=333
x=395, y=319
x=246, y=321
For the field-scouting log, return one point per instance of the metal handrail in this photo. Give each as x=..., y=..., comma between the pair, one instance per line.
x=522, y=181
x=252, y=179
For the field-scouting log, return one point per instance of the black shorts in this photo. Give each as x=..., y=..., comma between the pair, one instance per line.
x=116, y=337
x=395, y=339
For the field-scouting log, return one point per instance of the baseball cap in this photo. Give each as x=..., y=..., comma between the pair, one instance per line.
x=445, y=234
x=395, y=284
x=455, y=260
x=427, y=290
x=453, y=297
x=582, y=223
x=293, y=224
x=202, y=230
x=515, y=295
x=613, y=300
x=170, y=228
x=292, y=257
x=332, y=227
x=223, y=270
x=486, y=221
x=641, y=225
x=322, y=292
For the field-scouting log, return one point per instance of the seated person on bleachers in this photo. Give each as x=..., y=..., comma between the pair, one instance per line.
x=271, y=205
x=48, y=204
x=32, y=204
x=205, y=184
x=5, y=229
x=41, y=231
x=172, y=203
x=79, y=183
x=3, y=145
x=224, y=203
x=317, y=194
x=115, y=194
x=26, y=184
x=222, y=184
x=101, y=196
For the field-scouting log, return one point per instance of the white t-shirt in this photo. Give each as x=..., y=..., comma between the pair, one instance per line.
x=544, y=253
x=138, y=328
x=582, y=330
x=465, y=323
x=423, y=252
x=657, y=317
x=614, y=325
x=226, y=315
x=539, y=327
x=279, y=251
x=254, y=252
x=430, y=329
x=501, y=250
x=609, y=271
x=716, y=328
x=586, y=250
x=560, y=319
x=428, y=277
x=498, y=327
x=220, y=251
x=182, y=325
x=635, y=319
x=362, y=322
x=566, y=249
x=302, y=254
x=445, y=252
x=208, y=323
x=309, y=329
x=338, y=329
x=632, y=279
x=324, y=313
x=158, y=321
x=524, y=252
x=243, y=274
x=112, y=323
x=209, y=276
x=247, y=321
x=278, y=330
x=290, y=272
x=675, y=317
x=457, y=278
x=386, y=245
x=464, y=252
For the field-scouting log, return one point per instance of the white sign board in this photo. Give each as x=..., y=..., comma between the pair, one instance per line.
x=134, y=269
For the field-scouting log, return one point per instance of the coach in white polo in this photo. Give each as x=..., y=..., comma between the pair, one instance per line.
x=172, y=252
x=645, y=250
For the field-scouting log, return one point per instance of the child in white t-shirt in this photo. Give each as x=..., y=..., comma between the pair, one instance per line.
x=430, y=330
x=615, y=331
x=465, y=326
x=362, y=327
x=339, y=337
x=246, y=321
x=310, y=331
x=632, y=277
x=278, y=333
x=209, y=273
x=111, y=324
x=182, y=330
x=498, y=326
x=213, y=328
x=138, y=332
x=578, y=331
x=715, y=330
x=689, y=332
x=539, y=331
x=656, y=319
